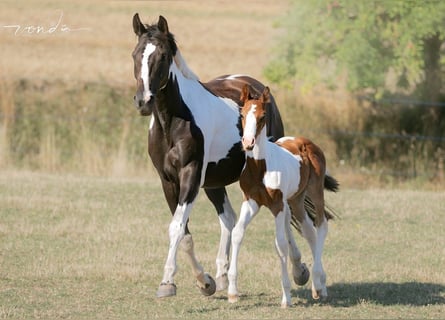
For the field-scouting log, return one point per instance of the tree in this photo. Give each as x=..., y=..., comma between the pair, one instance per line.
x=372, y=41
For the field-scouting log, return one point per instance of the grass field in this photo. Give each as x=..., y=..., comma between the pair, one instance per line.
x=86, y=247
x=82, y=246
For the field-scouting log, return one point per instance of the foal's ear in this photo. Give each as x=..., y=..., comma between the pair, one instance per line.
x=265, y=97
x=163, y=25
x=245, y=93
x=138, y=26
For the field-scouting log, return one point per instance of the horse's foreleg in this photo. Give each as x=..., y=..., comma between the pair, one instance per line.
x=176, y=232
x=281, y=244
x=249, y=209
x=227, y=219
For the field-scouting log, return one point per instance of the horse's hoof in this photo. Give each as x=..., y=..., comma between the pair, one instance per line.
x=303, y=278
x=222, y=282
x=233, y=298
x=285, y=305
x=318, y=295
x=166, y=290
x=209, y=288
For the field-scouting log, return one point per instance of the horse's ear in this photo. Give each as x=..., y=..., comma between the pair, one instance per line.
x=138, y=26
x=265, y=96
x=245, y=93
x=163, y=25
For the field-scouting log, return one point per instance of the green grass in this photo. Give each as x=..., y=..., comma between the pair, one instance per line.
x=86, y=247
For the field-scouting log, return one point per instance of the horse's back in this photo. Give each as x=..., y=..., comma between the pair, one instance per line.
x=230, y=86
x=307, y=150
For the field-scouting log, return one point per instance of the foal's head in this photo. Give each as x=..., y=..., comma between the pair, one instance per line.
x=152, y=58
x=253, y=116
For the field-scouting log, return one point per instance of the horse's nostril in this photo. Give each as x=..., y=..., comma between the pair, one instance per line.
x=141, y=103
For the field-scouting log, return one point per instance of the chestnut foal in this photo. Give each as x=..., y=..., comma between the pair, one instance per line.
x=279, y=176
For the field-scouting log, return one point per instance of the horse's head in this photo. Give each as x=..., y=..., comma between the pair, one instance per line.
x=152, y=58
x=253, y=116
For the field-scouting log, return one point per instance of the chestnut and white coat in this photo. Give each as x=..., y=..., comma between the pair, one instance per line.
x=279, y=176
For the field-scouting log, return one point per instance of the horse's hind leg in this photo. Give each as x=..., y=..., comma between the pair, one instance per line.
x=227, y=219
x=300, y=271
x=316, y=236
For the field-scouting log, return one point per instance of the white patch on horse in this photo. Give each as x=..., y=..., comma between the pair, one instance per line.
x=282, y=164
x=149, y=49
x=216, y=117
x=182, y=65
x=282, y=139
x=250, y=128
x=233, y=77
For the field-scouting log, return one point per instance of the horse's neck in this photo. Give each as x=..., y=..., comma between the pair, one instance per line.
x=183, y=67
x=259, y=151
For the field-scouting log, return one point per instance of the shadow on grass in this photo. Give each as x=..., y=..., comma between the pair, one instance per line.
x=383, y=293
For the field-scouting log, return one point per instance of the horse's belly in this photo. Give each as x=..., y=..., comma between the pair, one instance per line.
x=226, y=169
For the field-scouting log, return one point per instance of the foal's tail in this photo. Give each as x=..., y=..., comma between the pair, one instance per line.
x=330, y=184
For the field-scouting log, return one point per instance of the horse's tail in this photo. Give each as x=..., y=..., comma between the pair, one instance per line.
x=331, y=184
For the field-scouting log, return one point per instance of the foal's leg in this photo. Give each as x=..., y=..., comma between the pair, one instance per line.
x=282, y=247
x=300, y=271
x=227, y=219
x=316, y=237
x=249, y=209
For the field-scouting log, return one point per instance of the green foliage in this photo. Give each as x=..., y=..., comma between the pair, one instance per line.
x=369, y=40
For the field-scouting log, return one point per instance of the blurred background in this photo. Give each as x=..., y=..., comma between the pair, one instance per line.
x=362, y=79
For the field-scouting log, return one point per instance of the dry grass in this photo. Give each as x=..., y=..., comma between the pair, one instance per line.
x=80, y=247
x=216, y=37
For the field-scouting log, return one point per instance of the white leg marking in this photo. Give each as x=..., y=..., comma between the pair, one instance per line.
x=282, y=247
x=249, y=209
x=316, y=238
x=227, y=222
x=176, y=233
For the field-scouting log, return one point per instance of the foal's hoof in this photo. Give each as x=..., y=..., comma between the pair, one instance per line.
x=209, y=288
x=222, y=282
x=303, y=278
x=233, y=298
x=166, y=290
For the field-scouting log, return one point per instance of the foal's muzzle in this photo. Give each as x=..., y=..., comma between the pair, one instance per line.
x=248, y=143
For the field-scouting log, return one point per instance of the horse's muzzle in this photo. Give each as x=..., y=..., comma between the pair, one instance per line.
x=145, y=108
x=248, y=143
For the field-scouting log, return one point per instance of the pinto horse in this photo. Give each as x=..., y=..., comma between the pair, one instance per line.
x=280, y=176
x=194, y=142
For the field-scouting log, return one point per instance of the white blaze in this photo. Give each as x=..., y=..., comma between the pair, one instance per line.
x=250, y=128
x=149, y=49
